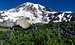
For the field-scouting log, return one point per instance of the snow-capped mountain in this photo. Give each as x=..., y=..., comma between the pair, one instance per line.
x=34, y=13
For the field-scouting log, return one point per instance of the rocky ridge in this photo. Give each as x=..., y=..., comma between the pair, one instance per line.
x=30, y=13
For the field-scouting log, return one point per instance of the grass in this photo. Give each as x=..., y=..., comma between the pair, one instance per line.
x=4, y=29
x=42, y=34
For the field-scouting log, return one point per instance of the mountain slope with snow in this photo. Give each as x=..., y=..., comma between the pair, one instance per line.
x=33, y=13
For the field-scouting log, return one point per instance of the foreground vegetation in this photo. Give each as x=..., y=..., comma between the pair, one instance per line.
x=40, y=34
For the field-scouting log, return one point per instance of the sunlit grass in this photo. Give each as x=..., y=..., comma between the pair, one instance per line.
x=45, y=34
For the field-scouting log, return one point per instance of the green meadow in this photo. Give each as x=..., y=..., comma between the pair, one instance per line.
x=40, y=34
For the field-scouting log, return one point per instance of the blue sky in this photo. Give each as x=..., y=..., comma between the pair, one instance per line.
x=61, y=5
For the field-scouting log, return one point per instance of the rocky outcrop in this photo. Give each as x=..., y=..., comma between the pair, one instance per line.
x=24, y=22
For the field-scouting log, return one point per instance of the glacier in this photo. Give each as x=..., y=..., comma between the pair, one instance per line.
x=28, y=13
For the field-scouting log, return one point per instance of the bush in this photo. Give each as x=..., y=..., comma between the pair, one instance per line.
x=45, y=34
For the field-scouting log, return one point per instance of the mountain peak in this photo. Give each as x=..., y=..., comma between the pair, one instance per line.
x=30, y=13
x=33, y=5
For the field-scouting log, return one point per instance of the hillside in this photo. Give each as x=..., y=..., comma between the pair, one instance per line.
x=42, y=34
x=34, y=24
x=28, y=13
